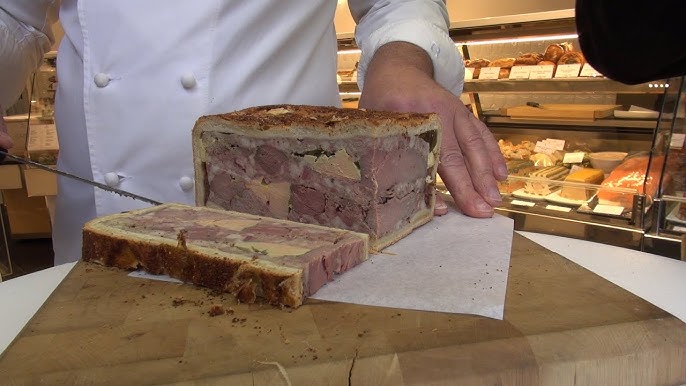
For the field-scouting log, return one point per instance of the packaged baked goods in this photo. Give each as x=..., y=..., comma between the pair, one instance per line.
x=249, y=256
x=585, y=176
x=368, y=171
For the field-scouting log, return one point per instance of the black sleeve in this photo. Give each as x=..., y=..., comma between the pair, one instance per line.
x=633, y=41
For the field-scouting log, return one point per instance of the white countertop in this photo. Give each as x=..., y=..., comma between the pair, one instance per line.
x=657, y=279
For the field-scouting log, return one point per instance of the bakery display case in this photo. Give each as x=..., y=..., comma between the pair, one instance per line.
x=586, y=154
x=583, y=151
x=667, y=234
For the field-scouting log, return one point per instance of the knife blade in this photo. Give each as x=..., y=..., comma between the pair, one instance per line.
x=77, y=178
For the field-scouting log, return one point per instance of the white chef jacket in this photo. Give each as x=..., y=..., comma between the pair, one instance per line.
x=133, y=77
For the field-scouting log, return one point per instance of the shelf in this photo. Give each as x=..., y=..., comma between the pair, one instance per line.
x=550, y=86
x=648, y=125
x=560, y=86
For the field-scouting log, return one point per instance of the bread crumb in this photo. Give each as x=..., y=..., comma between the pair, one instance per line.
x=216, y=310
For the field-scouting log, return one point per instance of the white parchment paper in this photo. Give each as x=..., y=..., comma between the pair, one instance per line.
x=453, y=264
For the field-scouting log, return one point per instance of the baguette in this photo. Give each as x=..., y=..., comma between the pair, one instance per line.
x=246, y=255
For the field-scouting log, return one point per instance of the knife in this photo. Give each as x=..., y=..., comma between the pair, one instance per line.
x=108, y=188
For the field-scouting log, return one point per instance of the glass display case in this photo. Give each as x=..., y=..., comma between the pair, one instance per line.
x=586, y=154
x=666, y=235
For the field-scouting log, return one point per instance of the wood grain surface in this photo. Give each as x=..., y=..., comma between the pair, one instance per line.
x=563, y=326
x=561, y=111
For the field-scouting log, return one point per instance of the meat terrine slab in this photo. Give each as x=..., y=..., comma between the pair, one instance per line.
x=367, y=171
x=247, y=255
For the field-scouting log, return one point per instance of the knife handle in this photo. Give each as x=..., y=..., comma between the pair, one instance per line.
x=3, y=152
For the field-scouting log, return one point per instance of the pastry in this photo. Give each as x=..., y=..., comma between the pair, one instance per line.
x=367, y=171
x=281, y=261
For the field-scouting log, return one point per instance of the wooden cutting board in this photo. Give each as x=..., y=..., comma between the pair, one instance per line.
x=561, y=111
x=563, y=325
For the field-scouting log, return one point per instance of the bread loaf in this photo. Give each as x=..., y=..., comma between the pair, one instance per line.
x=572, y=58
x=503, y=63
x=554, y=52
x=529, y=59
x=249, y=256
x=367, y=171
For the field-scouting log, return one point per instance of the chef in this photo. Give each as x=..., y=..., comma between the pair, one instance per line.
x=135, y=75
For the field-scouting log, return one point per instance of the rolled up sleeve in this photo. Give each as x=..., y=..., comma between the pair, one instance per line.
x=423, y=23
x=25, y=36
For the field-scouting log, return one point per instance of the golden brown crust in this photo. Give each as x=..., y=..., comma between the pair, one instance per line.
x=209, y=268
x=546, y=63
x=554, y=51
x=572, y=58
x=529, y=59
x=504, y=73
x=503, y=63
x=323, y=120
x=477, y=63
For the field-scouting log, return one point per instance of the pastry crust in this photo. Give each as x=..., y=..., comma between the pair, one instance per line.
x=529, y=59
x=546, y=63
x=261, y=155
x=142, y=239
x=555, y=51
x=573, y=57
x=477, y=63
x=502, y=63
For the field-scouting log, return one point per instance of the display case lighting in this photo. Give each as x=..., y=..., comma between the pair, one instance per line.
x=517, y=40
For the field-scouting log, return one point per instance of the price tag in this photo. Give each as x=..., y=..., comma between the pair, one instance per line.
x=520, y=72
x=489, y=73
x=468, y=73
x=549, y=145
x=568, y=70
x=608, y=209
x=556, y=144
x=587, y=70
x=573, y=158
x=677, y=141
x=558, y=208
x=522, y=203
x=541, y=72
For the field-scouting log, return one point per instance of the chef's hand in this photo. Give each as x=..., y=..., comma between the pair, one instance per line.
x=5, y=140
x=400, y=78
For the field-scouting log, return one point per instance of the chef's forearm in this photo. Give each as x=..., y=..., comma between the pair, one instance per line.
x=399, y=57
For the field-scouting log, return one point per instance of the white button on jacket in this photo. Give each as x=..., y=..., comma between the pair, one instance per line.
x=188, y=81
x=112, y=179
x=186, y=183
x=231, y=54
x=101, y=79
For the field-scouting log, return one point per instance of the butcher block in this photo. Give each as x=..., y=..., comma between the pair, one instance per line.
x=563, y=325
